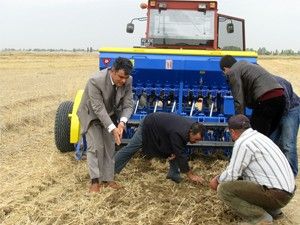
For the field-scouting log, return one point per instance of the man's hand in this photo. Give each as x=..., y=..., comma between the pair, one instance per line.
x=121, y=127
x=116, y=134
x=195, y=178
x=214, y=183
x=171, y=157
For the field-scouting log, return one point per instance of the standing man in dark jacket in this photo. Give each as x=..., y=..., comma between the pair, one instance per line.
x=254, y=87
x=105, y=107
x=285, y=136
x=164, y=135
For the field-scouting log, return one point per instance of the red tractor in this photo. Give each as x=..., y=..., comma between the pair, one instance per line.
x=190, y=24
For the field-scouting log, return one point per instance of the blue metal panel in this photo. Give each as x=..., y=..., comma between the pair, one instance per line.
x=193, y=70
x=175, y=83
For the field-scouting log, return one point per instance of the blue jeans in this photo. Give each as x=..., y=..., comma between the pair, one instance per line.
x=285, y=136
x=123, y=156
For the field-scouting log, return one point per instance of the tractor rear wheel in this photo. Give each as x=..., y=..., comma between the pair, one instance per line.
x=62, y=127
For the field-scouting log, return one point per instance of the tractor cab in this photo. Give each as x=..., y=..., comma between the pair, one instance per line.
x=181, y=24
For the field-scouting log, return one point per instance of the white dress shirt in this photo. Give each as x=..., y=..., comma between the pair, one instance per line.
x=257, y=158
x=112, y=126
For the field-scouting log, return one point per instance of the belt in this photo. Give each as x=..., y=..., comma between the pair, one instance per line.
x=280, y=190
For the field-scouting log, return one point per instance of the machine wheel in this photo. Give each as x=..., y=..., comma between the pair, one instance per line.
x=62, y=127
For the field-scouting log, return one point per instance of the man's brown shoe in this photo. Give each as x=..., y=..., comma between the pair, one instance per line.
x=94, y=188
x=113, y=185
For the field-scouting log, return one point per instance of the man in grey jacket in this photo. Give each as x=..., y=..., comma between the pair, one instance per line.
x=254, y=87
x=106, y=106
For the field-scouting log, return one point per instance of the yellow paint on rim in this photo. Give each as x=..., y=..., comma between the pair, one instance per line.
x=75, y=125
x=179, y=52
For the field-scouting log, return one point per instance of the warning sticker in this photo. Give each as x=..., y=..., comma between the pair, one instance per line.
x=169, y=64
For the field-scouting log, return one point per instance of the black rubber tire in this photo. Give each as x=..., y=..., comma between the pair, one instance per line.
x=62, y=127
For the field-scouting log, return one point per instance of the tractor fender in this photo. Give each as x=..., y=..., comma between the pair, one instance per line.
x=75, y=125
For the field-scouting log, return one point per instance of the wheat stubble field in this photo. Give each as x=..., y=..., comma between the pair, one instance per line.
x=39, y=185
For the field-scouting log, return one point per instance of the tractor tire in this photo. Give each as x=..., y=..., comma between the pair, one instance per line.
x=62, y=127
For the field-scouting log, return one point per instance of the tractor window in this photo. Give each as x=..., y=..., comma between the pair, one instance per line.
x=181, y=27
x=231, y=33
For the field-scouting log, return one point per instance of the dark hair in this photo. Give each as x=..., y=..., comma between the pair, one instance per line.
x=123, y=64
x=239, y=122
x=198, y=128
x=227, y=61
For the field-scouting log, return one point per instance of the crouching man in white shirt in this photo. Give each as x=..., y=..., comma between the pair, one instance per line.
x=258, y=181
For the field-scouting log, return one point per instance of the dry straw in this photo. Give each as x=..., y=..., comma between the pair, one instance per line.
x=39, y=185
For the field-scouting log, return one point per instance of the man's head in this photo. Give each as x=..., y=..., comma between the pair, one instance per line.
x=226, y=63
x=120, y=71
x=196, y=132
x=237, y=125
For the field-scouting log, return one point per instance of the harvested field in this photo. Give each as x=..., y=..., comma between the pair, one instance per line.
x=40, y=185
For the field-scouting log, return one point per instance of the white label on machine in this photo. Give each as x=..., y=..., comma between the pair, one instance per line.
x=169, y=64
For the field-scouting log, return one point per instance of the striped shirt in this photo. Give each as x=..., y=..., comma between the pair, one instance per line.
x=256, y=158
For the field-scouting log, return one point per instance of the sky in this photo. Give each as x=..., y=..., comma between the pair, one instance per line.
x=72, y=24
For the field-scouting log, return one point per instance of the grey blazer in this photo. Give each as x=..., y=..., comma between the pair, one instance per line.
x=248, y=82
x=97, y=102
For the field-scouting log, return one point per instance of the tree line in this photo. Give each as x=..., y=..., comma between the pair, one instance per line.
x=260, y=51
x=88, y=49
x=264, y=51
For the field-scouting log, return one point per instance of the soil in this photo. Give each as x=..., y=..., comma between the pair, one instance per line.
x=40, y=185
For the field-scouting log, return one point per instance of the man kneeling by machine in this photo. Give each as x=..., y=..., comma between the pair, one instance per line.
x=164, y=135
